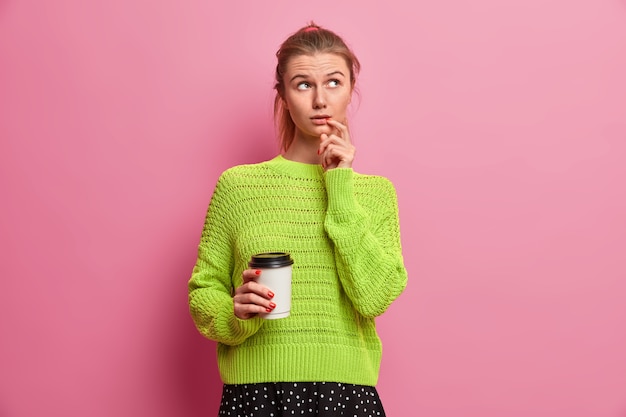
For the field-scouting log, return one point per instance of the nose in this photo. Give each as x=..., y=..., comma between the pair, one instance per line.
x=319, y=101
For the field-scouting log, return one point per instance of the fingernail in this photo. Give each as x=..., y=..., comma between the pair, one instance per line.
x=257, y=272
x=269, y=310
x=272, y=306
x=270, y=294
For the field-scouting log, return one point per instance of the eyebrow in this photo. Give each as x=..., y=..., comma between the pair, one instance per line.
x=330, y=74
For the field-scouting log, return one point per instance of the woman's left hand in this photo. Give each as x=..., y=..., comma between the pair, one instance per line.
x=336, y=149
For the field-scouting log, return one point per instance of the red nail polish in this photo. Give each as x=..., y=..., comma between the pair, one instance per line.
x=269, y=310
x=257, y=272
x=272, y=306
x=270, y=294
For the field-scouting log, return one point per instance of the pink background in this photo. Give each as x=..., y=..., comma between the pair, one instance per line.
x=502, y=124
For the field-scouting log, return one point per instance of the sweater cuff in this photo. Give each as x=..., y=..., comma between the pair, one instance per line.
x=340, y=190
x=243, y=329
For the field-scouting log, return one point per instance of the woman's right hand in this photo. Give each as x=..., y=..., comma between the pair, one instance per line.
x=252, y=298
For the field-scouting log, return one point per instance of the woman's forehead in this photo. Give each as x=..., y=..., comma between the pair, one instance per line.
x=321, y=63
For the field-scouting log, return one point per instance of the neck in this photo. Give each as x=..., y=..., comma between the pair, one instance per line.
x=303, y=150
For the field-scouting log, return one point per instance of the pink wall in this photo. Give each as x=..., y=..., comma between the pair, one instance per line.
x=502, y=124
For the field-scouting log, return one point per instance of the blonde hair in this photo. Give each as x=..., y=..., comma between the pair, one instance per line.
x=309, y=40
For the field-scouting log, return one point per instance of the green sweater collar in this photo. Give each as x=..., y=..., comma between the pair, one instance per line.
x=296, y=169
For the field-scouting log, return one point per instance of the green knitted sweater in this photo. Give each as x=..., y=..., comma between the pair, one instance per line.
x=341, y=228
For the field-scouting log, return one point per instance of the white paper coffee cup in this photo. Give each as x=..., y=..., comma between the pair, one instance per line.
x=276, y=268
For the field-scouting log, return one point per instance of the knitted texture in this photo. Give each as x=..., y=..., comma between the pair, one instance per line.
x=341, y=228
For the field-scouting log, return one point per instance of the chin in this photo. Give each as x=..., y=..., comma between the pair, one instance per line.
x=324, y=129
x=316, y=131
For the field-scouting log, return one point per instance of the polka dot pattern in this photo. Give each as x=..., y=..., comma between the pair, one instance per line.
x=286, y=399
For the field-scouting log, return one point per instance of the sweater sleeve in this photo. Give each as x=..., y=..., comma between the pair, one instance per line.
x=210, y=286
x=367, y=246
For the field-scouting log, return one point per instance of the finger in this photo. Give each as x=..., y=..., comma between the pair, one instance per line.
x=342, y=129
x=253, y=298
x=249, y=305
x=250, y=274
x=253, y=287
x=341, y=150
x=323, y=144
x=247, y=311
x=325, y=140
x=328, y=140
x=331, y=157
x=338, y=156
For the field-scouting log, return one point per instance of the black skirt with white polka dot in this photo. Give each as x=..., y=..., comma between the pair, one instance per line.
x=287, y=399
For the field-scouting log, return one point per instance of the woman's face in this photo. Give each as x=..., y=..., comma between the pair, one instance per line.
x=317, y=87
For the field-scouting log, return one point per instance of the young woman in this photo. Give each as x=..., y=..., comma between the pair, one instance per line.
x=342, y=231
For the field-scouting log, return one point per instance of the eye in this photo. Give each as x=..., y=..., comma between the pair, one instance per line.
x=334, y=83
x=303, y=85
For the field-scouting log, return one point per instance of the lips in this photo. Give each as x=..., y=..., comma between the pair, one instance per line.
x=320, y=119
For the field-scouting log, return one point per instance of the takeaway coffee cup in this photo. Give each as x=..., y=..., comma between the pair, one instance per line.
x=276, y=275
